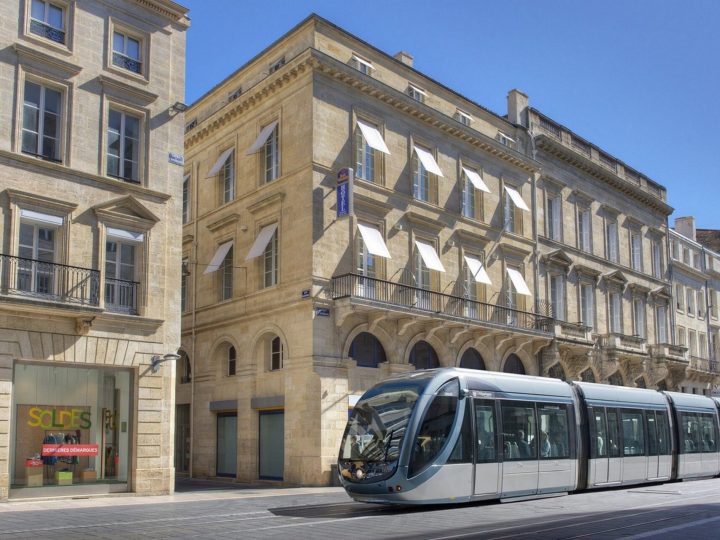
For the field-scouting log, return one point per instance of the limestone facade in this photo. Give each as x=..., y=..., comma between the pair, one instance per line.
x=290, y=312
x=90, y=207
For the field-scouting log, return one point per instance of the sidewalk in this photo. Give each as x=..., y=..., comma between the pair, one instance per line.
x=186, y=490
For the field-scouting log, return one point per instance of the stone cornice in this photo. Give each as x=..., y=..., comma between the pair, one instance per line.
x=169, y=10
x=222, y=222
x=424, y=222
x=273, y=198
x=121, y=89
x=29, y=54
x=317, y=61
x=23, y=198
x=585, y=164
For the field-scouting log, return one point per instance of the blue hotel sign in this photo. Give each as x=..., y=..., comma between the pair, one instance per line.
x=344, y=192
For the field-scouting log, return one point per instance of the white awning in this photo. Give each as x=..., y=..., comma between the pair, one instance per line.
x=428, y=161
x=373, y=137
x=362, y=61
x=429, y=256
x=476, y=180
x=261, y=242
x=262, y=138
x=219, y=257
x=125, y=235
x=186, y=177
x=374, y=241
x=477, y=270
x=516, y=198
x=40, y=217
x=518, y=282
x=220, y=162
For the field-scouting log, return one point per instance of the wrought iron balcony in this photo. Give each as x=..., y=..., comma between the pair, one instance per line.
x=45, y=30
x=121, y=296
x=44, y=280
x=703, y=364
x=125, y=62
x=387, y=293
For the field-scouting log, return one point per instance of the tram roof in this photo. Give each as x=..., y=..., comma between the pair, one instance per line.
x=510, y=383
x=692, y=401
x=620, y=394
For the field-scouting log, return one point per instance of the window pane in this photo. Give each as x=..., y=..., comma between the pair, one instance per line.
x=652, y=433
x=554, y=432
x=29, y=142
x=55, y=17
x=600, y=444
x=32, y=93
x=114, y=120
x=663, y=430
x=118, y=42
x=37, y=10
x=485, y=429
x=518, y=431
x=633, y=433
x=133, y=48
x=463, y=451
x=613, y=433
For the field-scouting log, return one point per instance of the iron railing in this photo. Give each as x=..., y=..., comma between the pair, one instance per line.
x=703, y=364
x=49, y=281
x=121, y=295
x=125, y=62
x=411, y=297
x=45, y=30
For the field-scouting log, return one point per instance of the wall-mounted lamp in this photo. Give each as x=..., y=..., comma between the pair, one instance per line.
x=398, y=226
x=451, y=243
x=177, y=107
x=156, y=360
x=185, y=269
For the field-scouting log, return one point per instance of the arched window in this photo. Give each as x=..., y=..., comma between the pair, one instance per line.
x=184, y=369
x=640, y=382
x=587, y=376
x=276, y=354
x=367, y=350
x=423, y=356
x=513, y=364
x=471, y=359
x=615, y=379
x=557, y=372
x=231, y=361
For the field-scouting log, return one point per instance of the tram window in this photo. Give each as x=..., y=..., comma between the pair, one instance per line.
x=652, y=434
x=519, y=431
x=613, y=438
x=462, y=453
x=554, y=432
x=633, y=433
x=690, y=435
x=599, y=442
x=435, y=427
x=708, y=435
x=663, y=429
x=485, y=429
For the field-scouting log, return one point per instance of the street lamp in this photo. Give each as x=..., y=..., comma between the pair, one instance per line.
x=156, y=360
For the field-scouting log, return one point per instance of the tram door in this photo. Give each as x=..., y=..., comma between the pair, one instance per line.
x=653, y=461
x=606, y=457
x=487, y=477
x=519, y=447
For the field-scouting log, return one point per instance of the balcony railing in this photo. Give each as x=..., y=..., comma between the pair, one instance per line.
x=703, y=364
x=125, y=62
x=47, y=31
x=410, y=297
x=48, y=281
x=121, y=296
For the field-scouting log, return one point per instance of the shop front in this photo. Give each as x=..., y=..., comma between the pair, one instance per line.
x=71, y=429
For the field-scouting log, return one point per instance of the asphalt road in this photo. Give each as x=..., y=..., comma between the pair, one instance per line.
x=208, y=510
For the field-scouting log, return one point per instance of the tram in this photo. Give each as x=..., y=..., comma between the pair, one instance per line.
x=456, y=435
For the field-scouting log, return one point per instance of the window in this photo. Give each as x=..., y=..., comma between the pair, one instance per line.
x=192, y=124
x=227, y=178
x=232, y=96
x=615, y=301
x=435, y=428
x=599, y=442
x=584, y=232
x=184, y=285
x=661, y=324
x=416, y=93
x=463, y=117
x=674, y=250
x=713, y=303
x=633, y=433
x=277, y=64
x=47, y=20
x=554, y=431
x=512, y=210
x=366, y=263
x=696, y=260
x=127, y=52
x=587, y=304
x=36, y=248
x=271, y=156
x=686, y=255
x=421, y=179
x=276, y=354
x=519, y=432
x=270, y=262
x=611, y=241
x=485, y=430
x=364, y=157
x=636, y=250
x=679, y=297
x=41, y=122
x=231, y=361
x=702, y=345
x=121, y=287
x=681, y=336
x=690, y=298
x=505, y=139
x=367, y=351
x=184, y=368
x=700, y=304
x=657, y=269
x=470, y=206
x=639, y=317
x=557, y=296
x=554, y=218
x=692, y=342
x=362, y=65
x=226, y=276
x=186, y=199
x=123, y=146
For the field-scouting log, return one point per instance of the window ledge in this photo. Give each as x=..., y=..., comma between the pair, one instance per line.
x=29, y=55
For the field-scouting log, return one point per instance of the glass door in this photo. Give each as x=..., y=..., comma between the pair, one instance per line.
x=226, y=444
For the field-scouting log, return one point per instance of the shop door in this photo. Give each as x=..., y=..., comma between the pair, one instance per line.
x=226, y=445
x=182, y=438
x=272, y=445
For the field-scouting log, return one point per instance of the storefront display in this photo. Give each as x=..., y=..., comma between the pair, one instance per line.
x=71, y=425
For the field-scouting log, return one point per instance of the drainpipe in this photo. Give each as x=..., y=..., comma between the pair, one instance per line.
x=193, y=370
x=671, y=273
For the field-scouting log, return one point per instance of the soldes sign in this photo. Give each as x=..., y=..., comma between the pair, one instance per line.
x=59, y=418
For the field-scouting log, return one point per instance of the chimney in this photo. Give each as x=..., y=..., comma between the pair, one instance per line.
x=405, y=57
x=517, y=105
x=686, y=227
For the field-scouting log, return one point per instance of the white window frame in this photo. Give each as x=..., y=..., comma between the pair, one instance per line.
x=128, y=32
x=679, y=297
x=656, y=259
x=416, y=93
x=584, y=221
x=556, y=292
x=124, y=114
x=124, y=54
x=700, y=303
x=639, y=316
x=611, y=241
x=690, y=301
x=554, y=216
x=365, y=157
x=615, y=319
x=587, y=304
x=41, y=112
x=636, y=253
x=661, y=323
x=226, y=276
x=362, y=65
x=66, y=9
x=270, y=262
x=692, y=342
x=227, y=178
x=186, y=199
x=271, y=156
x=464, y=118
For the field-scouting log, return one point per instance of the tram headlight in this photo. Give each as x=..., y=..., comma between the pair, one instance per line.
x=359, y=474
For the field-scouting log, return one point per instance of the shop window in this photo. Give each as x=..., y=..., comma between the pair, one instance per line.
x=367, y=351
x=471, y=359
x=423, y=356
x=513, y=364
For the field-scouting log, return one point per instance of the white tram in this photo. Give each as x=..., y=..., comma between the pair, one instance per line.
x=457, y=435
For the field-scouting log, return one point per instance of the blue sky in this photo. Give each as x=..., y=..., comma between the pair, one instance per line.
x=639, y=78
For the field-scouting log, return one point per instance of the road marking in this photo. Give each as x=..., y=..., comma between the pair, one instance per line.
x=671, y=529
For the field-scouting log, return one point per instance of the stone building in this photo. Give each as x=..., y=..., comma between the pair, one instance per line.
x=473, y=239
x=90, y=206
x=695, y=276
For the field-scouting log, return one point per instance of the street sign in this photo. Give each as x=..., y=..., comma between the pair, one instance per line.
x=176, y=159
x=305, y=293
x=344, y=192
x=322, y=312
